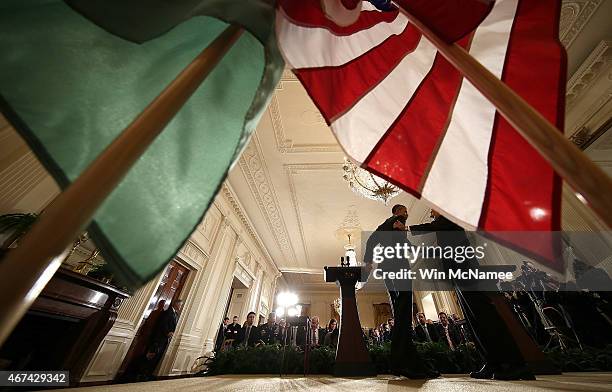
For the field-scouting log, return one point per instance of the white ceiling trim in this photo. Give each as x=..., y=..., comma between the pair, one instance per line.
x=574, y=16
x=286, y=145
x=253, y=167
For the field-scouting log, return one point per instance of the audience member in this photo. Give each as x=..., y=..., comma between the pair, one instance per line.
x=388, y=333
x=221, y=333
x=233, y=330
x=424, y=330
x=448, y=332
x=317, y=333
x=375, y=337
x=268, y=333
x=248, y=335
x=331, y=334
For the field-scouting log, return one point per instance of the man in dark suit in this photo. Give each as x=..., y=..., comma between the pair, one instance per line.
x=388, y=333
x=447, y=332
x=424, y=331
x=233, y=330
x=504, y=360
x=221, y=333
x=248, y=335
x=404, y=357
x=162, y=335
x=317, y=334
x=268, y=333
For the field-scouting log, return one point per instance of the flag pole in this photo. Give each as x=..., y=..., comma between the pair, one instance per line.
x=566, y=159
x=29, y=267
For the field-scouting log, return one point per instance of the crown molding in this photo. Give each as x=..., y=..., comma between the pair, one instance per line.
x=232, y=199
x=286, y=145
x=574, y=16
x=252, y=165
x=585, y=79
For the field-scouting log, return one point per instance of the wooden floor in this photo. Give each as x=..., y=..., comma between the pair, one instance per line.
x=585, y=382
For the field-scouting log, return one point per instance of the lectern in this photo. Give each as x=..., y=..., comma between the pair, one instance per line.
x=352, y=358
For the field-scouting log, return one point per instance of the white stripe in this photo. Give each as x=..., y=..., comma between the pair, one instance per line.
x=360, y=128
x=458, y=177
x=305, y=47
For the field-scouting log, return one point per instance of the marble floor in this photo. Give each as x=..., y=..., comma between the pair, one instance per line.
x=584, y=382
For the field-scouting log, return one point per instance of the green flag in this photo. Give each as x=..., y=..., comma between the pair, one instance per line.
x=73, y=77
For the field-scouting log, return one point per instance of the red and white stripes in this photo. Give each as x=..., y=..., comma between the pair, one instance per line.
x=401, y=110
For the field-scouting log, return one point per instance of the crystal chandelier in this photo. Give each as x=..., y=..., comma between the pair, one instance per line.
x=367, y=184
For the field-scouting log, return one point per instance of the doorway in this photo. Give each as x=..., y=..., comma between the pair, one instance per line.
x=238, y=301
x=168, y=290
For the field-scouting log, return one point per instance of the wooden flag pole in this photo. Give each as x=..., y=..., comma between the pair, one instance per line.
x=567, y=160
x=28, y=268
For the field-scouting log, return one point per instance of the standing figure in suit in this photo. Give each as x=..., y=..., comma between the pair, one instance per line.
x=425, y=331
x=310, y=334
x=233, y=330
x=504, y=360
x=248, y=335
x=405, y=360
x=163, y=333
x=221, y=334
x=447, y=332
x=317, y=334
x=268, y=333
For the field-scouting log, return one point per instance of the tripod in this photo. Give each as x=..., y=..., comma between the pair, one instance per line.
x=555, y=335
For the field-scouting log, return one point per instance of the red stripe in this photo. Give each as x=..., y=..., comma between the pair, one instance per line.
x=308, y=13
x=521, y=183
x=337, y=89
x=408, y=148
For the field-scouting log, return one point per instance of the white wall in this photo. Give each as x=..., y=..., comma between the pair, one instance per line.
x=222, y=247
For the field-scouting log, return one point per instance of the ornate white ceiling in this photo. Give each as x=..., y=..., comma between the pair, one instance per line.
x=289, y=179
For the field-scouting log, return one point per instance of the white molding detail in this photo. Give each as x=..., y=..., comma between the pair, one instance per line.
x=592, y=65
x=254, y=170
x=286, y=145
x=574, y=16
x=598, y=63
x=194, y=253
x=230, y=196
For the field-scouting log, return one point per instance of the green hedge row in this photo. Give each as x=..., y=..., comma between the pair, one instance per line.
x=267, y=359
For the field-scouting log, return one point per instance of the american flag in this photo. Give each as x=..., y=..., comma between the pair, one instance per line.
x=402, y=111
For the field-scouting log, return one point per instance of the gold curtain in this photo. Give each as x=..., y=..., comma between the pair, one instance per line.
x=382, y=312
x=333, y=313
